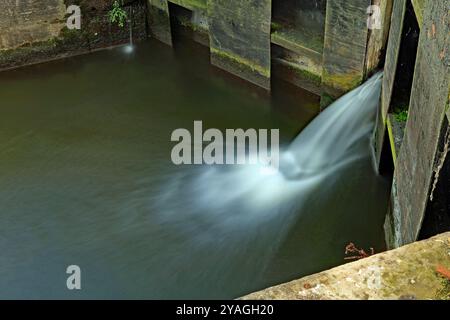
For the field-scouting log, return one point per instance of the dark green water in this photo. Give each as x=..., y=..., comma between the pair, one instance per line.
x=85, y=153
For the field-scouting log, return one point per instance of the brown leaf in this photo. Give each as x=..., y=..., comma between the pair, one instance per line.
x=443, y=271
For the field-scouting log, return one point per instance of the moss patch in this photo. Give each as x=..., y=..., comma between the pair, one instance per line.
x=325, y=100
x=241, y=61
x=342, y=81
x=274, y=26
x=444, y=292
x=297, y=40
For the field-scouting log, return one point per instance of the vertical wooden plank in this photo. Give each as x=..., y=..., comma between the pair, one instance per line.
x=378, y=37
x=429, y=98
x=159, y=20
x=240, y=38
x=392, y=53
x=390, y=67
x=345, y=45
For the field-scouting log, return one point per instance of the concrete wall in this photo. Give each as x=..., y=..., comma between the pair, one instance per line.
x=390, y=68
x=243, y=35
x=416, y=162
x=28, y=21
x=378, y=37
x=345, y=45
x=239, y=31
x=159, y=20
x=240, y=38
x=33, y=31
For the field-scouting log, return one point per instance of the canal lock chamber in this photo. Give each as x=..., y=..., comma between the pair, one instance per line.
x=272, y=50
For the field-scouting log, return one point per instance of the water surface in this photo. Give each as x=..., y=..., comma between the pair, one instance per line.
x=85, y=173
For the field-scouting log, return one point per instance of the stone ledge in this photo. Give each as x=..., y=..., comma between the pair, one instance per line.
x=409, y=272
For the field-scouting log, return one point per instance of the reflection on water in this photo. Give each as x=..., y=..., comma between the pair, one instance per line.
x=86, y=179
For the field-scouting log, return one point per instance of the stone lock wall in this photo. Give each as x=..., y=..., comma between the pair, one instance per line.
x=28, y=21
x=35, y=30
x=416, y=152
x=240, y=38
x=248, y=37
x=329, y=59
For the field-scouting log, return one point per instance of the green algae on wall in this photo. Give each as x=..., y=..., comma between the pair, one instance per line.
x=345, y=45
x=419, y=6
x=245, y=64
x=298, y=41
x=295, y=74
x=240, y=34
x=325, y=100
x=342, y=82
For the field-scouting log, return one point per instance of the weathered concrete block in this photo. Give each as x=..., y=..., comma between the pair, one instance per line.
x=410, y=272
x=26, y=22
x=191, y=23
x=378, y=37
x=159, y=20
x=390, y=67
x=302, y=70
x=96, y=32
x=429, y=97
x=392, y=53
x=345, y=44
x=240, y=38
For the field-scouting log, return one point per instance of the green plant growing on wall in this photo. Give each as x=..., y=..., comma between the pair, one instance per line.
x=402, y=116
x=401, y=113
x=117, y=14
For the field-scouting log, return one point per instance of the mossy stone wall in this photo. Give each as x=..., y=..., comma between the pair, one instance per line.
x=240, y=38
x=96, y=31
x=345, y=45
x=416, y=161
x=24, y=22
x=159, y=20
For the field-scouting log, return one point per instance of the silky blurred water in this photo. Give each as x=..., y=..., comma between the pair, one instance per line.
x=86, y=179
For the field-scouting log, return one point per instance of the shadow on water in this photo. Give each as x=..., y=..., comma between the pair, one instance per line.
x=86, y=178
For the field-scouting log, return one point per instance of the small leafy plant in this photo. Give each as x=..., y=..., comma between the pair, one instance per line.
x=117, y=14
x=401, y=113
x=402, y=116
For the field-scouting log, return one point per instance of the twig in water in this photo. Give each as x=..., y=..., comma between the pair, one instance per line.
x=360, y=253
